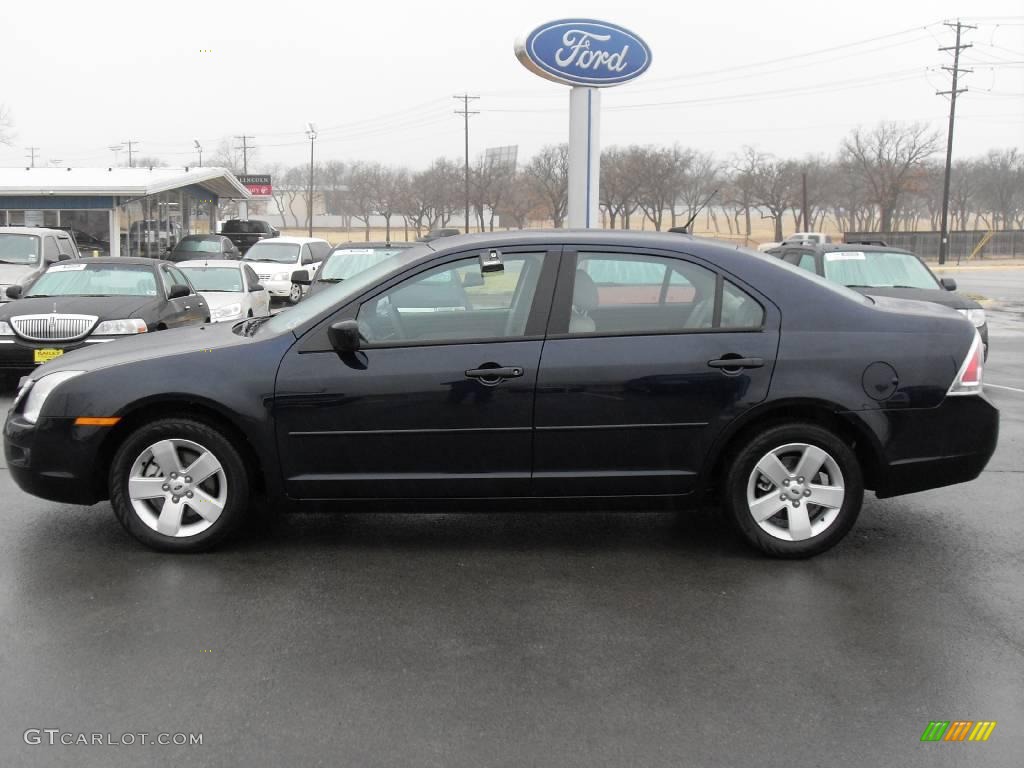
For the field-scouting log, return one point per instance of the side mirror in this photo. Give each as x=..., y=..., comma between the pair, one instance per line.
x=948, y=283
x=301, y=277
x=63, y=257
x=178, y=292
x=14, y=292
x=344, y=336
x=257, y=287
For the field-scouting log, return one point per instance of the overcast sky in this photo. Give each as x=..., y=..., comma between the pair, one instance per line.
x=378, y=78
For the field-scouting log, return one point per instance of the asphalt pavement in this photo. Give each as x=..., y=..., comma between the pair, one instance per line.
x=645, y=639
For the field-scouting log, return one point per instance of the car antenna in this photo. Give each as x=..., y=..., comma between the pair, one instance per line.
x=685, y=229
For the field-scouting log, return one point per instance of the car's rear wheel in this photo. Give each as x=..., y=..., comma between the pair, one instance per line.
x=795, y=490
x=178, y=485
x=295, y=294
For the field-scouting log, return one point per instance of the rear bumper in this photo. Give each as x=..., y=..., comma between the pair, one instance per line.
x=935, y=447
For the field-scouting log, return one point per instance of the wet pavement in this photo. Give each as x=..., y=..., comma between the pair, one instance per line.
x=650, y=639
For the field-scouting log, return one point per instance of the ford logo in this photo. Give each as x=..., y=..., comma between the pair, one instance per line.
x=584, y=52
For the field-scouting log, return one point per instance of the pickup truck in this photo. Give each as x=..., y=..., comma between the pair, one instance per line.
x=245, y=233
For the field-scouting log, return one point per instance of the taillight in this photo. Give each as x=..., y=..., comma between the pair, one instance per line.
x=968, y=380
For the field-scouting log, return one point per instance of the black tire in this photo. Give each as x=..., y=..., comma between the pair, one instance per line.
x=734, y=491
x=292, y=301
x=214, y=441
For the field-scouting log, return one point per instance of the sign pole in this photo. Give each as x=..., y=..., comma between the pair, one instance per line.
x=584, y=157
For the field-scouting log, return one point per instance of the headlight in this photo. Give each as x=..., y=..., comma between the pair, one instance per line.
x=120, y=328
x=282, y=276
x=5, y=329
x=976, y=316
x=40, y=389
x=226, y=313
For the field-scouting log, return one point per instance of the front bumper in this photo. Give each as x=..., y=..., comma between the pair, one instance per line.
x=278, y=288
x=933, y=447
x=55, y=460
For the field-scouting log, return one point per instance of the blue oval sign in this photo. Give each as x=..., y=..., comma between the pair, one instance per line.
x=584, y=52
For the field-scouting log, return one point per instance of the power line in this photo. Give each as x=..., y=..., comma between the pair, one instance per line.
x=952, y=93
x=466, y=98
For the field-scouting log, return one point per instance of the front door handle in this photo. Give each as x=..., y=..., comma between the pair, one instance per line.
x=494, y=375
x=737, y=362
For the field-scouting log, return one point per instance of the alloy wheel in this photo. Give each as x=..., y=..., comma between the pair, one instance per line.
x=795, y=492
x=178, y=488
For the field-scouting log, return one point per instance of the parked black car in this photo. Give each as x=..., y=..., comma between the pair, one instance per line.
x=88, y=245
x=193, y=247
x=84, y=302
x=584, y=367
x=881, y=270
x=346, y=260
x=245, y=233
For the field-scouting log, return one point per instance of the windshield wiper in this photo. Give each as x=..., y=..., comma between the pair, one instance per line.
x=18, y=263
x=249, y=326
x=332, y=279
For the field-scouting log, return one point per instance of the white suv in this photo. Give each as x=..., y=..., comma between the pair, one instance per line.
x=276, y=260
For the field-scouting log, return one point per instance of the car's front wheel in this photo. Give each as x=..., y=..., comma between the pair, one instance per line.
x=178, y=485
x=795, y=490
x=295, y=294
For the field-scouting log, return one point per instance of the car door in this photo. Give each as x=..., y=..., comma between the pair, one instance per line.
x=438, y=402
x=258, y=297
x=184, y=310
x=230, y=250
x=649, y=356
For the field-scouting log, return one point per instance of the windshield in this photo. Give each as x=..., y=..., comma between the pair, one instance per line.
x=347, y=262
x=95, y=280
x=281, y=253
x=19, y=249
x=878, y=269
x=339, y=294
x=198, y=246
x=246, y=227
x=214, y=278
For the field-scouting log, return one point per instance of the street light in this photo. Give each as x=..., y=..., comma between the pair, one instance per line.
x=199, y=149
x=311, y=132
x=115, y=149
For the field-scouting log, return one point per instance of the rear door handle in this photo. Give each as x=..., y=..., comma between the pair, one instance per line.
x=737, y=362
x=494, y=374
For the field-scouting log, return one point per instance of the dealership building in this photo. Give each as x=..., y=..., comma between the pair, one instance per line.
x=134, y=211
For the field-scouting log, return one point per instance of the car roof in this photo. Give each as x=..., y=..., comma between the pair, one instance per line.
x=827, y=247
x=289, y=239
x=211, y=263
x=128, y=260
x=32, y=231
x=208, y=236
x=373, y=244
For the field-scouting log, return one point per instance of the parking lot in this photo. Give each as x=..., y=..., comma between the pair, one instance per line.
x=650, y=639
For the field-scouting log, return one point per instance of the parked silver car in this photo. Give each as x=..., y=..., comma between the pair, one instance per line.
x=26, y=252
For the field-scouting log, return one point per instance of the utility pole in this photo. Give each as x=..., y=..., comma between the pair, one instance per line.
x=130, y=144
x=245, y=151
x=803, y=182
x=952, y=93
x=32, y=154
x=311, y=132
x=465, y=115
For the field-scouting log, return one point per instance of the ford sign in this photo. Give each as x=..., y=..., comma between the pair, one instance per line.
x=584, y=52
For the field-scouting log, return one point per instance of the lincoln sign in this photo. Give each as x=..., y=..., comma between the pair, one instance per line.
x=259, y=185
x=584, y=52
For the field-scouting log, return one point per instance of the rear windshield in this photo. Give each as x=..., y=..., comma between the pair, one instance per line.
x=198, y=246
x=878, y=269
x=246, y=227
x=83, y=279
x=214, y=278
x=343, y=263
x=19, y=249
x=281, y=253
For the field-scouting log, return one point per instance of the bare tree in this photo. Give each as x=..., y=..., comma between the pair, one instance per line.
x=620, y=183
x=519, y=202
x=360, y=200
x=6, y=123
x=1001, y=188
x=385, y=189
x=149, y=161
x=228, y=155
x=659, y=170
x=889, y=159
x=698, y=178
x=774, y=188
x=548, y=173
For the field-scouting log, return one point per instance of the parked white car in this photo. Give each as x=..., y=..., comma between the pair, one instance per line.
x=232, y=289
x=276, y=260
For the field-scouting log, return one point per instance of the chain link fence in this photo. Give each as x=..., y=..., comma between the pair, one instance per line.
x=1004, y=244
